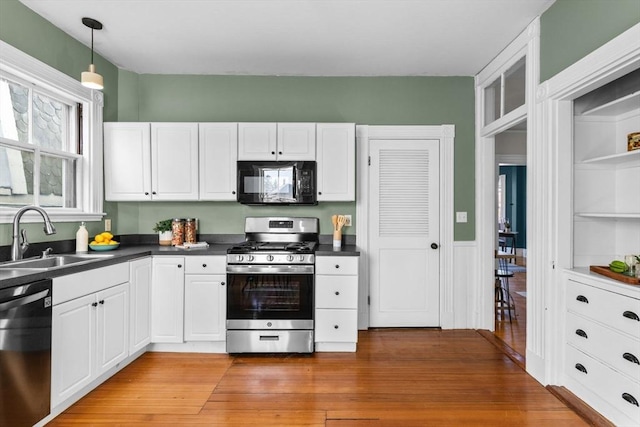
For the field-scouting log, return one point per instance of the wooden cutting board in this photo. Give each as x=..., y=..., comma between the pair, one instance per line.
x=615, y=276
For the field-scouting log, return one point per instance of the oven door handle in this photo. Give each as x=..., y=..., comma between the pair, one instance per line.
x=270, y=269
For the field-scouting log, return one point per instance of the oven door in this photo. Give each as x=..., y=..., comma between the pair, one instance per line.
x=270, y=297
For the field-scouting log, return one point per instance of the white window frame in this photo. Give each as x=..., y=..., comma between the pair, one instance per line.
x=89, y=181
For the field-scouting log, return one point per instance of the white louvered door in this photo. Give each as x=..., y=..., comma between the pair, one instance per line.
x=404, y=223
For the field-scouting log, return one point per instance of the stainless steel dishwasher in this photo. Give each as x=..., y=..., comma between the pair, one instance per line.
x=25, y=353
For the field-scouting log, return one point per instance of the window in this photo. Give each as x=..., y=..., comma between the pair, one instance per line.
x=506, y=93
x=50, y=141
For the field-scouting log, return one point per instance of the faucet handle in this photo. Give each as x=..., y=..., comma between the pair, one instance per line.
x=25, y=243
x=46, y=252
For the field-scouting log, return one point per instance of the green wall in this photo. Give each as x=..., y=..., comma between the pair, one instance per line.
x=362, y=100
x=571, y=29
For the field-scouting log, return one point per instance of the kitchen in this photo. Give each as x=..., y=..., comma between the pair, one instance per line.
x=147, y=97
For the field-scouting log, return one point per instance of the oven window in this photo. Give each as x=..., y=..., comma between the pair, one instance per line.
x=270, y=296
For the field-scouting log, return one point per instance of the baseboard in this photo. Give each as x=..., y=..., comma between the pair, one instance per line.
x=585, y=411
x=516, y=357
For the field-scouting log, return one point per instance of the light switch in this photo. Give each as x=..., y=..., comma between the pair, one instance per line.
x=461, y=217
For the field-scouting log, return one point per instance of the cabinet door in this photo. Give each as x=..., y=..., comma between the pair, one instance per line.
x=72, y=347
x=218, y=156
x=257, y=141
x=112, y=337
x=127, y=165
x=296, y=141
x=205, y=307
x=139, y=304
x=174, y=161
x=167, y=300
x=336, y=157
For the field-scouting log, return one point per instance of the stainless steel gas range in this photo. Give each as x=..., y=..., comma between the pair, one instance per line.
x=270, y=286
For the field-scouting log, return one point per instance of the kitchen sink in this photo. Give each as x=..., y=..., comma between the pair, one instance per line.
x=52, y=261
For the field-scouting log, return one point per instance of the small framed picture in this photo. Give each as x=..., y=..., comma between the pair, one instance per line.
x=633, y=141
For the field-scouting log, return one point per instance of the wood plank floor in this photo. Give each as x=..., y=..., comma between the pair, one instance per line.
x=514, y=333
x=398, y=377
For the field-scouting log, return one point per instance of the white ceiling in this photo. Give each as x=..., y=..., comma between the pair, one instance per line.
x=296, y=37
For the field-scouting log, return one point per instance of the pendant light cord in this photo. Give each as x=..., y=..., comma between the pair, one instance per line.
x=92, y=45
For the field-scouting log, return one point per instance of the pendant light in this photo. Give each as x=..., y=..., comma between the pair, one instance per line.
x=90, y=78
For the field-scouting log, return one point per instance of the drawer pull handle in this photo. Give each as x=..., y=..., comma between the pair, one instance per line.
x=101, y=302
x=94, y=304
x=582, y=298
x=631, y=358
x=631, y=315
x=269, y=338
x=630, y=399
x=581, y=333
x=581, y=368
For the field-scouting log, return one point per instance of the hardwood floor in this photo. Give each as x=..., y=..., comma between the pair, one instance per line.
x=514, y=333
x=398, y=377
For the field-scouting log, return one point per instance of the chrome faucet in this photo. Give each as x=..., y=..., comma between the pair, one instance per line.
x=17, y=248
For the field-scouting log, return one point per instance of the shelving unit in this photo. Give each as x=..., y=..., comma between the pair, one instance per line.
x=606, y=204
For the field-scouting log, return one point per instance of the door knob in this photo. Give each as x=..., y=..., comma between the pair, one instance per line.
x=434, y=246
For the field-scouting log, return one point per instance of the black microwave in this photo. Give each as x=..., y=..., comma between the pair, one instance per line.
x=277, y=183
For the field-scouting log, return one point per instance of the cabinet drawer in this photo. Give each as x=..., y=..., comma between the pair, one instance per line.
x=337, y=265
x=205, y=265
x=619, y=351
x=336, y=325
x=66, y=288
x=618, y=311
x=337, y=292
x=616, y=389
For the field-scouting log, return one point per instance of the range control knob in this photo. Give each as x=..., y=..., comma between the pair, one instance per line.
x=301, y=258
x=250, y=257
x=290, y=257
x=239, y=258
x=269, y=257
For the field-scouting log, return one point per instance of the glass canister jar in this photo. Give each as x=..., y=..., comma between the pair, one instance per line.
x=177, y=231
x=190, y=230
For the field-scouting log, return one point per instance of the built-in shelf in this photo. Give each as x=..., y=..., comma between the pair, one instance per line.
x=626, y=158
x=616, y=107
x=613, y=215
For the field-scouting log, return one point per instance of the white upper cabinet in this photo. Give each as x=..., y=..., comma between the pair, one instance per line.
x=296, y=141
x=127, y=161
x=276, y=141
x=218, y=156
x=174, y=161
x=157, y=161
x=336, y=156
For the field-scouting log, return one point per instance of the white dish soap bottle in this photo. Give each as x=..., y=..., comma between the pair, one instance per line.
x=82, y=239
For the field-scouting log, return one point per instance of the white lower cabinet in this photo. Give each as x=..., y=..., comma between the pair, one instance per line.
x=602, y=351
x=167, y=300
x=90, y=336
x=140, y=304
x=336, y=300
x=205, y=298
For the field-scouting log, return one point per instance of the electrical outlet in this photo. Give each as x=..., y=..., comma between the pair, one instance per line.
x=107, y=224
x=348, y=221
x=461, y=217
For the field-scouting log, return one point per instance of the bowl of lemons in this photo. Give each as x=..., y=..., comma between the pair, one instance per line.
x=103, y=242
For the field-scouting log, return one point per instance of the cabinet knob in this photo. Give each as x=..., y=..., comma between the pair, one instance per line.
x=233, y=192
x=146, y=193
x=581, y=333
x=335, y=326
x=179, y=265
x=582, y=298
x=204, y=265
x=222, y=283
x=153, y=192
x=631, y=315
x=280, y=152
x=580, y=367
x=319, y=193
x=631, y=358
x=337, y=293
x=629, y=398
x=273, y=152
x=337, y=265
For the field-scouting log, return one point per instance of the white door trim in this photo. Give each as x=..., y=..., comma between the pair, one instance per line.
x=446, y=135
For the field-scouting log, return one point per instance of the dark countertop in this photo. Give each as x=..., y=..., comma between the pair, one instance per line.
x=9, y=277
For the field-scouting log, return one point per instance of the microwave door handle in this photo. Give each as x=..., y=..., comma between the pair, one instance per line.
x=296, y=184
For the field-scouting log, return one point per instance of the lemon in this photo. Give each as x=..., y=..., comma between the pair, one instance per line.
x=93, y=243
x=112, y=242
x=107, y=236
x=99, y=238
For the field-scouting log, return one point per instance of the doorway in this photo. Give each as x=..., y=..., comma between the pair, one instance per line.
x=511, y=238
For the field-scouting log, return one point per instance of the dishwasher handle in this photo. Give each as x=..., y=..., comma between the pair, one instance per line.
x=24, y=300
